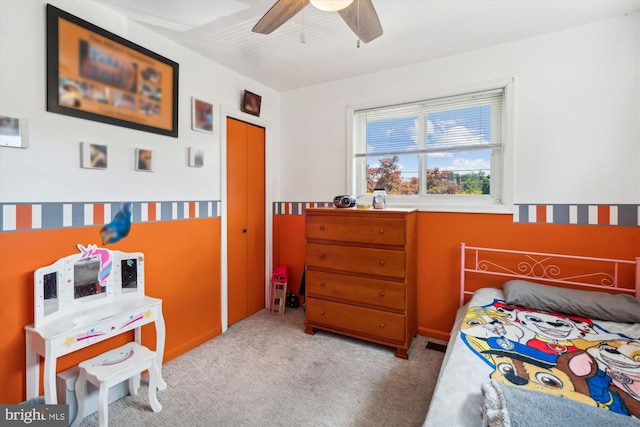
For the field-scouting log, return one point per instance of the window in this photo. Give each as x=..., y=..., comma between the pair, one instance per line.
x=441, y=151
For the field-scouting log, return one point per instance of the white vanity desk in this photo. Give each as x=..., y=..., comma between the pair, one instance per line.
x=81, y=300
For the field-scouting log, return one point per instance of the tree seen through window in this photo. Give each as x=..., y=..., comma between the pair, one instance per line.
x=387, y=174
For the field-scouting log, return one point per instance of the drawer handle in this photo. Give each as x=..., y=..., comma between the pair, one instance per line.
x=381, y=293
x=322, y=227
x=381, y=262
x=322, y=284
x=322, y=255
x=322, y=312
x=381, y=325
x=382, y=231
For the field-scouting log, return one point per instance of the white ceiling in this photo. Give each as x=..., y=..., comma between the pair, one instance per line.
x=414, y=31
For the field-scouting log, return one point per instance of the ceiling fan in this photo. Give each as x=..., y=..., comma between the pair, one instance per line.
x=360, y=16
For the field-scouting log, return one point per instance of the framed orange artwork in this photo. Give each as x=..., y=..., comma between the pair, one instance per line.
x=96, y=75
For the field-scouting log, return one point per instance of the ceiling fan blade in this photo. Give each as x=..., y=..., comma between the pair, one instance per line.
x=363, y=20
x=279, y=13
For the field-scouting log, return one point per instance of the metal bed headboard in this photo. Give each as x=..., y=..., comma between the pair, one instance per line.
x=543, y=267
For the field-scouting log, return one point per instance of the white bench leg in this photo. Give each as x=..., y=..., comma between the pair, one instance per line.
x=103, y=405
x=81, y=394
x=133, y=385
x=154, y=377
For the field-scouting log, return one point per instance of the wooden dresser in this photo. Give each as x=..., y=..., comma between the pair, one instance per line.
x=361, y=274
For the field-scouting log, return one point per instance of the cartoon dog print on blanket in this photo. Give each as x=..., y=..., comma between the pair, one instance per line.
x=574, y=375
x=553, y=333
x=486, y=322
x=583, y=369
x=522, y=366
x=619, y=360
x=555, y=353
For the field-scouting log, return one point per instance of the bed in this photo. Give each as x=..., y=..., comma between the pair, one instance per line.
x=541, y=339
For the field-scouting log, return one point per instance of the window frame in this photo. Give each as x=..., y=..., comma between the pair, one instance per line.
x=501, y=199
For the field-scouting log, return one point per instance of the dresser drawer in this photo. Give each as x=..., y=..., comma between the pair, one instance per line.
x=361, y=229
x=364, y=321
x=363, y=291
x=379, y=262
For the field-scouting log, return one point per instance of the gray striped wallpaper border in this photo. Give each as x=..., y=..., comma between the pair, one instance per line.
x=53, y=215
x=627, y=215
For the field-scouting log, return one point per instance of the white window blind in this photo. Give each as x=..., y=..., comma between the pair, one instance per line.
x=453, y=123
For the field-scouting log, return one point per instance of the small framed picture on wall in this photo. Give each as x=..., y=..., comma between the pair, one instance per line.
x=93, y=156
x=196, y=157
x=144, y=160
x=13, y=132
x=251, y=103
x=201, y=115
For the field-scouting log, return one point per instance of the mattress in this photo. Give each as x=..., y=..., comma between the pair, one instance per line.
x=583, y=362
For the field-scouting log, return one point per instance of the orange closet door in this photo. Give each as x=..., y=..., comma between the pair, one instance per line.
x=256, y=219
x=245, y=219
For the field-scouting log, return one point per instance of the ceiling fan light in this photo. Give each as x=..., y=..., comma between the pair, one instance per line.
x=331, y=5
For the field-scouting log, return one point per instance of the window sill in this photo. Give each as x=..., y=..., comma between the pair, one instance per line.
x=457, y=208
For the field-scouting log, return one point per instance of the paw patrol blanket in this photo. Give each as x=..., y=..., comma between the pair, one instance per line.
x=591, y=362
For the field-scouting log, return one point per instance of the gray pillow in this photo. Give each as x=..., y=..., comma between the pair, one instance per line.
x=592, y=304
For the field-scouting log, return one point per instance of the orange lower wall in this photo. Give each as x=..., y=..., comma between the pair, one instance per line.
x=182, y=267
x=439, y=238
x=288, y=247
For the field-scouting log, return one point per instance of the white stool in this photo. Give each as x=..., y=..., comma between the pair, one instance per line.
x=111, y=368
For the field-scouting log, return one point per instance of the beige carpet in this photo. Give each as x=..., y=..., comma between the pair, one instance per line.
x=265, y=371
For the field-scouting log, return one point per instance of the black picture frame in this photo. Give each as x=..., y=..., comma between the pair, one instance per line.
x=96, y=75
x=251, y=103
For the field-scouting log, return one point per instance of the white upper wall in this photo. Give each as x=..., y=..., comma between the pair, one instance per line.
x=577, y=117
x=577, y=114
x=49, y=170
